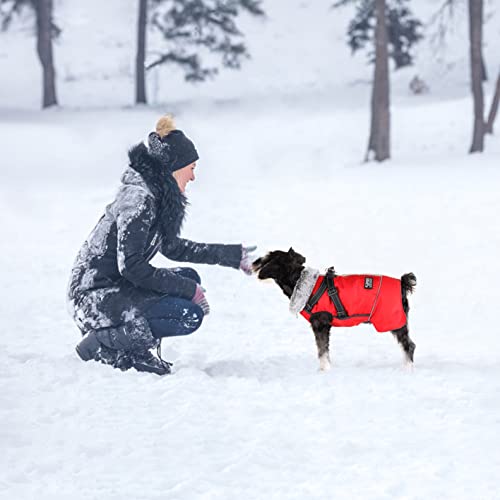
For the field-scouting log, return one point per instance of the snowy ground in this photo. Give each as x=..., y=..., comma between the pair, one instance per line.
x=246, y=413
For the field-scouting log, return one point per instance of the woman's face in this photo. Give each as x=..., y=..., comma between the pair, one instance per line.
x=184, y=175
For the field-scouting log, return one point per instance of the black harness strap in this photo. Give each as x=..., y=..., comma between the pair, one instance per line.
x=333, y=293
x=313, y=299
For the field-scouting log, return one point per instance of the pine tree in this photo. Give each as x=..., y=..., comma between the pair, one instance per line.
x=403, y=29
x=192, y=29
x=390, y=30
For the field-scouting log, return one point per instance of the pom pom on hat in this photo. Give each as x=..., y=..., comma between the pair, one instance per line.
x=165, y=125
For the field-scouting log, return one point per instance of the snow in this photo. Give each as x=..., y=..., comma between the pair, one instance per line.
x=246, y=413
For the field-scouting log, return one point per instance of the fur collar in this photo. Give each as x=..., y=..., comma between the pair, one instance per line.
x=148, y=167
x=170, y=201
x=303, y=289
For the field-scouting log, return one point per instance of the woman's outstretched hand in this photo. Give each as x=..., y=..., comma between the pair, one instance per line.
x=200, y=299
x=247, y=259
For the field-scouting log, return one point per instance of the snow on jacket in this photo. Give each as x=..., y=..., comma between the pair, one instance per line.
x=112, y=280
x=366, y=298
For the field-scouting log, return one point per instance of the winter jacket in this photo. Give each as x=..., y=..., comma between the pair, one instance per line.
x=366, y=299
x=112, y=280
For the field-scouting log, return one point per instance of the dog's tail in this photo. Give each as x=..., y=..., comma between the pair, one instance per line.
x=408, y=284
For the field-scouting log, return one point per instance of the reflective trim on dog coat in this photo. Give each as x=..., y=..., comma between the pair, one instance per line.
x=366, y=299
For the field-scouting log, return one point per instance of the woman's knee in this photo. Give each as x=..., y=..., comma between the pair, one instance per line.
x=193, y=319
x=183, y=318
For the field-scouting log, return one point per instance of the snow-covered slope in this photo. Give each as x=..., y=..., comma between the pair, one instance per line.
x=246, y=413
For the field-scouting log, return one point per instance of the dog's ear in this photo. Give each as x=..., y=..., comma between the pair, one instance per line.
x=296, y=257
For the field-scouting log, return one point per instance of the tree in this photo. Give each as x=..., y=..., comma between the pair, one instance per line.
x=46, y=31
x=379, y=142
x=191, y=29
x=476, y=41
x=478, y=72
x=44, y=9
x=403, y=29
x=393, y=30
x=140, y=60
x=441, y=18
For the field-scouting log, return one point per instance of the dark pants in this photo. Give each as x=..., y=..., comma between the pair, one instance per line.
x=173, y=316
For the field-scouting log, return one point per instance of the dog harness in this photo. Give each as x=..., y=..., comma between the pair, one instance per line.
x=350, y=299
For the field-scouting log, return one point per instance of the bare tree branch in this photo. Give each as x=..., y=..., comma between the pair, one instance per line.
x=494, y=108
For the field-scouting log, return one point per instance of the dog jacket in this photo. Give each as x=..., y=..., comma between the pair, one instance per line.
x=364, y=299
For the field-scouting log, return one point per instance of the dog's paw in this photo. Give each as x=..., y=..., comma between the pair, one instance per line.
x=408, y=366
x=324, y=363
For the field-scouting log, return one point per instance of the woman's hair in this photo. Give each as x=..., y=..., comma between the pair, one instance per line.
x=165, y=125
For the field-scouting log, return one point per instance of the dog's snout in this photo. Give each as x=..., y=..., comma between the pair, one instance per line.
x=256, y=265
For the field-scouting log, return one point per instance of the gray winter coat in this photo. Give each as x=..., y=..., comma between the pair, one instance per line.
x=112, y=281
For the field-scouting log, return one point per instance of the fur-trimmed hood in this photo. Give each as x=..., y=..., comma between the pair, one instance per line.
x=171, y=203
x=148, y=167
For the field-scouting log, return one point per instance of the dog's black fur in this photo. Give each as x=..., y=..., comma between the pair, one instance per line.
x=285, y=269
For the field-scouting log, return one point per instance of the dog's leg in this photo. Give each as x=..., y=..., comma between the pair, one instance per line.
x=321, y=324
x=403, y=337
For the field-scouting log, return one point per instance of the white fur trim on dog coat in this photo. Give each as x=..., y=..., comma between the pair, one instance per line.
x=303, y=289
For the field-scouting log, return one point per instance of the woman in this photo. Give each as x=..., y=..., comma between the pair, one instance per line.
x=123, y=305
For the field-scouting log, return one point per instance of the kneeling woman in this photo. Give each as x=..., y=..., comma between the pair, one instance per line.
x=123, y=305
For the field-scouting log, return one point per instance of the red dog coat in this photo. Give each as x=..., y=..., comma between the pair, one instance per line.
x=366, y=299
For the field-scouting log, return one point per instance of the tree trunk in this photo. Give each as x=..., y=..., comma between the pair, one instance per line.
x=379, y=141
x=43, y=10
x=476, y=40
x=140, y=62
x=484, y=71
x=494, y=108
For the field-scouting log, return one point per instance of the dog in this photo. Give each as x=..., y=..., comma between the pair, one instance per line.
x=347, y=300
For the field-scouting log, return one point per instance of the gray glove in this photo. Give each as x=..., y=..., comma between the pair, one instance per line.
x=247, y=258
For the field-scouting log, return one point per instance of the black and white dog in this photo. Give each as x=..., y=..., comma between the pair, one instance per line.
x=347, y=300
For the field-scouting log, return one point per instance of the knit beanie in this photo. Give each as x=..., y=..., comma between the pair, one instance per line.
x=171, y=146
